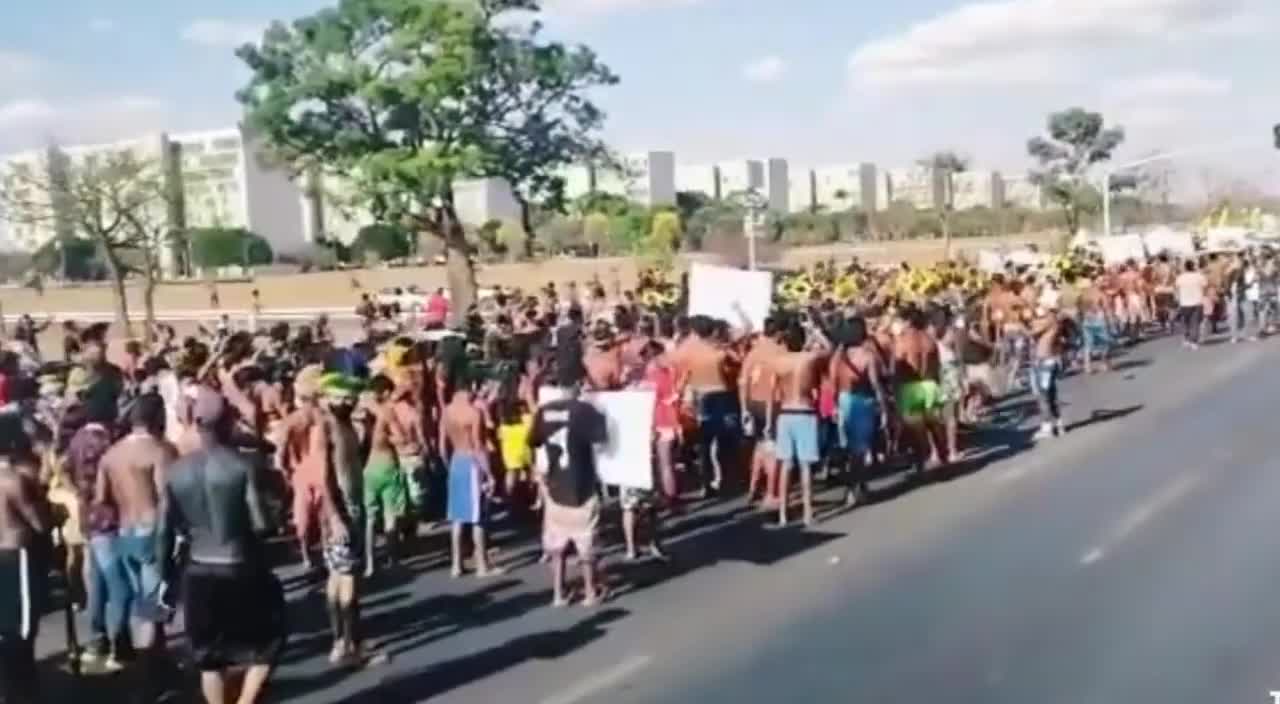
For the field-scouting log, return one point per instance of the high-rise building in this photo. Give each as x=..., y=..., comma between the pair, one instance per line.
x=479, y=201
x=845, y=186
x=738, y=177
x=648, y=178
x=802, y=190
x=699, y=178
x=977, y=189
x=1022, y=193
x=228, y=181
x=924, y=187
x=777, y=185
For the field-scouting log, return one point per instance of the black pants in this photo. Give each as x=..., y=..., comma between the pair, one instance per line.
x=1192, y=317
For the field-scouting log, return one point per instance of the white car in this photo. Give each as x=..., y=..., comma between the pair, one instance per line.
x=407, y=299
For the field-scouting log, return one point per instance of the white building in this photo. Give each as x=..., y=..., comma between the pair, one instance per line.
x=741, y=176
x=699, y=178
x=977, y=189
x=777, y=186
x=845, y=186
x=27, y=173
x=228, y=182
x=1022, y=193
x=482, y=200
x=924, y=187
x=802, y=190
x=648, y=178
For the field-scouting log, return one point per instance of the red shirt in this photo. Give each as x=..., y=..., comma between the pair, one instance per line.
x=437, y=308
x=662, y=381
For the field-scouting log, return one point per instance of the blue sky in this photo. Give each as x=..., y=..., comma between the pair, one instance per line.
x=816, y=81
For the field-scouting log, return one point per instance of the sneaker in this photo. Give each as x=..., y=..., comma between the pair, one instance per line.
x=1045, y=432
x=1059, y=428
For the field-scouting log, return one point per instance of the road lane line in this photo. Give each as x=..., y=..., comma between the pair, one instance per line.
x=1142, y=514
x=600, y=681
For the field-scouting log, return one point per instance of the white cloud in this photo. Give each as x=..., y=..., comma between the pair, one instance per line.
x=993, y=37
x=223, y=33
x=29, y=122
x=1172, y=85
x=766, y=69
x=101, y=25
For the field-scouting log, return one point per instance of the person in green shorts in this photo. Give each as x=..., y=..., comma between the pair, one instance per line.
x=385, y=493
x=919, y=396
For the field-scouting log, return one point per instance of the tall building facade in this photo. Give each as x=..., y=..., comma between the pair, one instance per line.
x=977, y=189
x=923, y=187
x=845, y=186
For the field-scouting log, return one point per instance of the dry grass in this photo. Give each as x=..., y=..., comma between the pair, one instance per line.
x=342, y=289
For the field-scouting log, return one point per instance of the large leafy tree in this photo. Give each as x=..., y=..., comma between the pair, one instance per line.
x=385, y=242
x=406, y=97
x=1077, y=141
x=213, y=247
x=947, y=164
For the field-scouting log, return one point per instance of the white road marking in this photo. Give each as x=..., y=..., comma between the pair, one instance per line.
x=600, y=681
x=1092, y=556
x=1142, y=514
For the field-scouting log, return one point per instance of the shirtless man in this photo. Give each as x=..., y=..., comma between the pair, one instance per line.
x=701, y=366
x=1164, y=300
x=470, y=478
x=385, y=493
x=133, y=479
x=300, y=455
x=603, y=360
x=1095, y=325
x=1131, y=300
x=411, y=441
x=860, y=400
x=343, y=516
x=798, y=374
x=755, y=391
x=915, y=356
x=24, y=525
x=1047, y=369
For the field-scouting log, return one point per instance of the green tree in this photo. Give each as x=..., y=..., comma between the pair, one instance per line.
x=946, y=164
x=116, y=200
x=216, y=247
x=1077, y=141
x=595, y=228
x=665, y=232
x=382, y=242
x=406, y=97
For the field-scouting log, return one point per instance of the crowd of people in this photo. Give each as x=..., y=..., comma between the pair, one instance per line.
x=150, y=482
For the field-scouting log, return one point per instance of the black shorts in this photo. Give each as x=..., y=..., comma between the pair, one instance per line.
x=21, y=591
x=234, y=616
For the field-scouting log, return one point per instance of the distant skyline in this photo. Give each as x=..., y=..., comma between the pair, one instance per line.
x=814, y=81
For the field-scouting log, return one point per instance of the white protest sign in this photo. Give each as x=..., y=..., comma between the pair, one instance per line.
x=742, y=298
x=1117, y=249
x=626, y=457
x=1226, y=238
x=990, y=261
x=1178, y=244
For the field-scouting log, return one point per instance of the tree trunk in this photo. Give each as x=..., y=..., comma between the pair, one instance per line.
x=526, y=222
x=946, y=236
x=117, y=285
x=459, y=271
x=149, y=305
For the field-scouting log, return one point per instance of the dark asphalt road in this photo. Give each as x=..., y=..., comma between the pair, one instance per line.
x=1133, y=560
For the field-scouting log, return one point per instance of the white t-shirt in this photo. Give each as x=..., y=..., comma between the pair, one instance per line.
x=1191, y=285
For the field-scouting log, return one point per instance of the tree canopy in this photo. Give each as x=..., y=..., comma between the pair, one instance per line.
x=403, y=98
x=1078, y=140
x=214, y=247
x=383, y=242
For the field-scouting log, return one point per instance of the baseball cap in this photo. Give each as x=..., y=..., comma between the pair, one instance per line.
x=209, y=407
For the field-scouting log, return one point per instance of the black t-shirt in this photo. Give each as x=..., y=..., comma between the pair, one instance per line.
x=569, y=430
